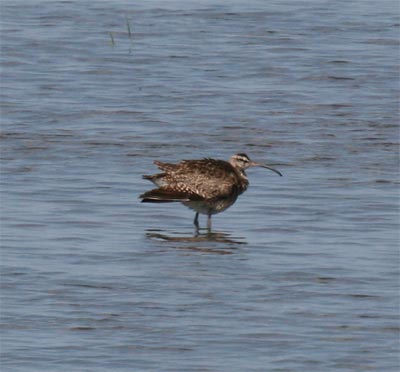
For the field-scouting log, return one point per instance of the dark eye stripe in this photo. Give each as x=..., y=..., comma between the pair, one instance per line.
x=242, y=157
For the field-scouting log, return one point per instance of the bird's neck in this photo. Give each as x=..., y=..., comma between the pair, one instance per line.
x=244, y=181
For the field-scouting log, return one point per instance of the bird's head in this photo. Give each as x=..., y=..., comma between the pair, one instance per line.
x=242, y=162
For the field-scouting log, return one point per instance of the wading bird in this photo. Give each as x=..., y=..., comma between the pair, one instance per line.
x=207, y=186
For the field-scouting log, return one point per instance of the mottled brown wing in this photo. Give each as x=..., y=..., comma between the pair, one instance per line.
x=207, y=178
x=166, y=167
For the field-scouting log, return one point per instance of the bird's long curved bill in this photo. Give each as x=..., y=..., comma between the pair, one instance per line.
x=253, y=164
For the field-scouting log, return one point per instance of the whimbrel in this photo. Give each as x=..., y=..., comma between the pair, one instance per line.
x=207, y=186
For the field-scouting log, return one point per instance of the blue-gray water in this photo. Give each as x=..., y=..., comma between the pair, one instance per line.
x=301, y=274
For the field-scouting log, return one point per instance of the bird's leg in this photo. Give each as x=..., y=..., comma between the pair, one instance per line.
x=196, y=220
x=209, y=222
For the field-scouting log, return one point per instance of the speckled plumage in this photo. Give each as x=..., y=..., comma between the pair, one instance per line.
x=207, y=186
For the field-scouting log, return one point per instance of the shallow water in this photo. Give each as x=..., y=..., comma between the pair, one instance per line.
x=300, y=274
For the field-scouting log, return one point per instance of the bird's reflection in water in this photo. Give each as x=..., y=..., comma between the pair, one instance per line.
x=206, y=242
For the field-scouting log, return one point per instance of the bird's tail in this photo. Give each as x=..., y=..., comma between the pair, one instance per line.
x=153, y=177
x=163, y=195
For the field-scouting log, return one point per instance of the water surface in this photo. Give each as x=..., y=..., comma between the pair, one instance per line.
x=300, y=274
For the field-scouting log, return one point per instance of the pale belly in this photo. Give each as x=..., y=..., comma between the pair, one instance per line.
x=210, y=207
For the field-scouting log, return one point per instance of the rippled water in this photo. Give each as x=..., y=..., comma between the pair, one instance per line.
x=301, y=274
